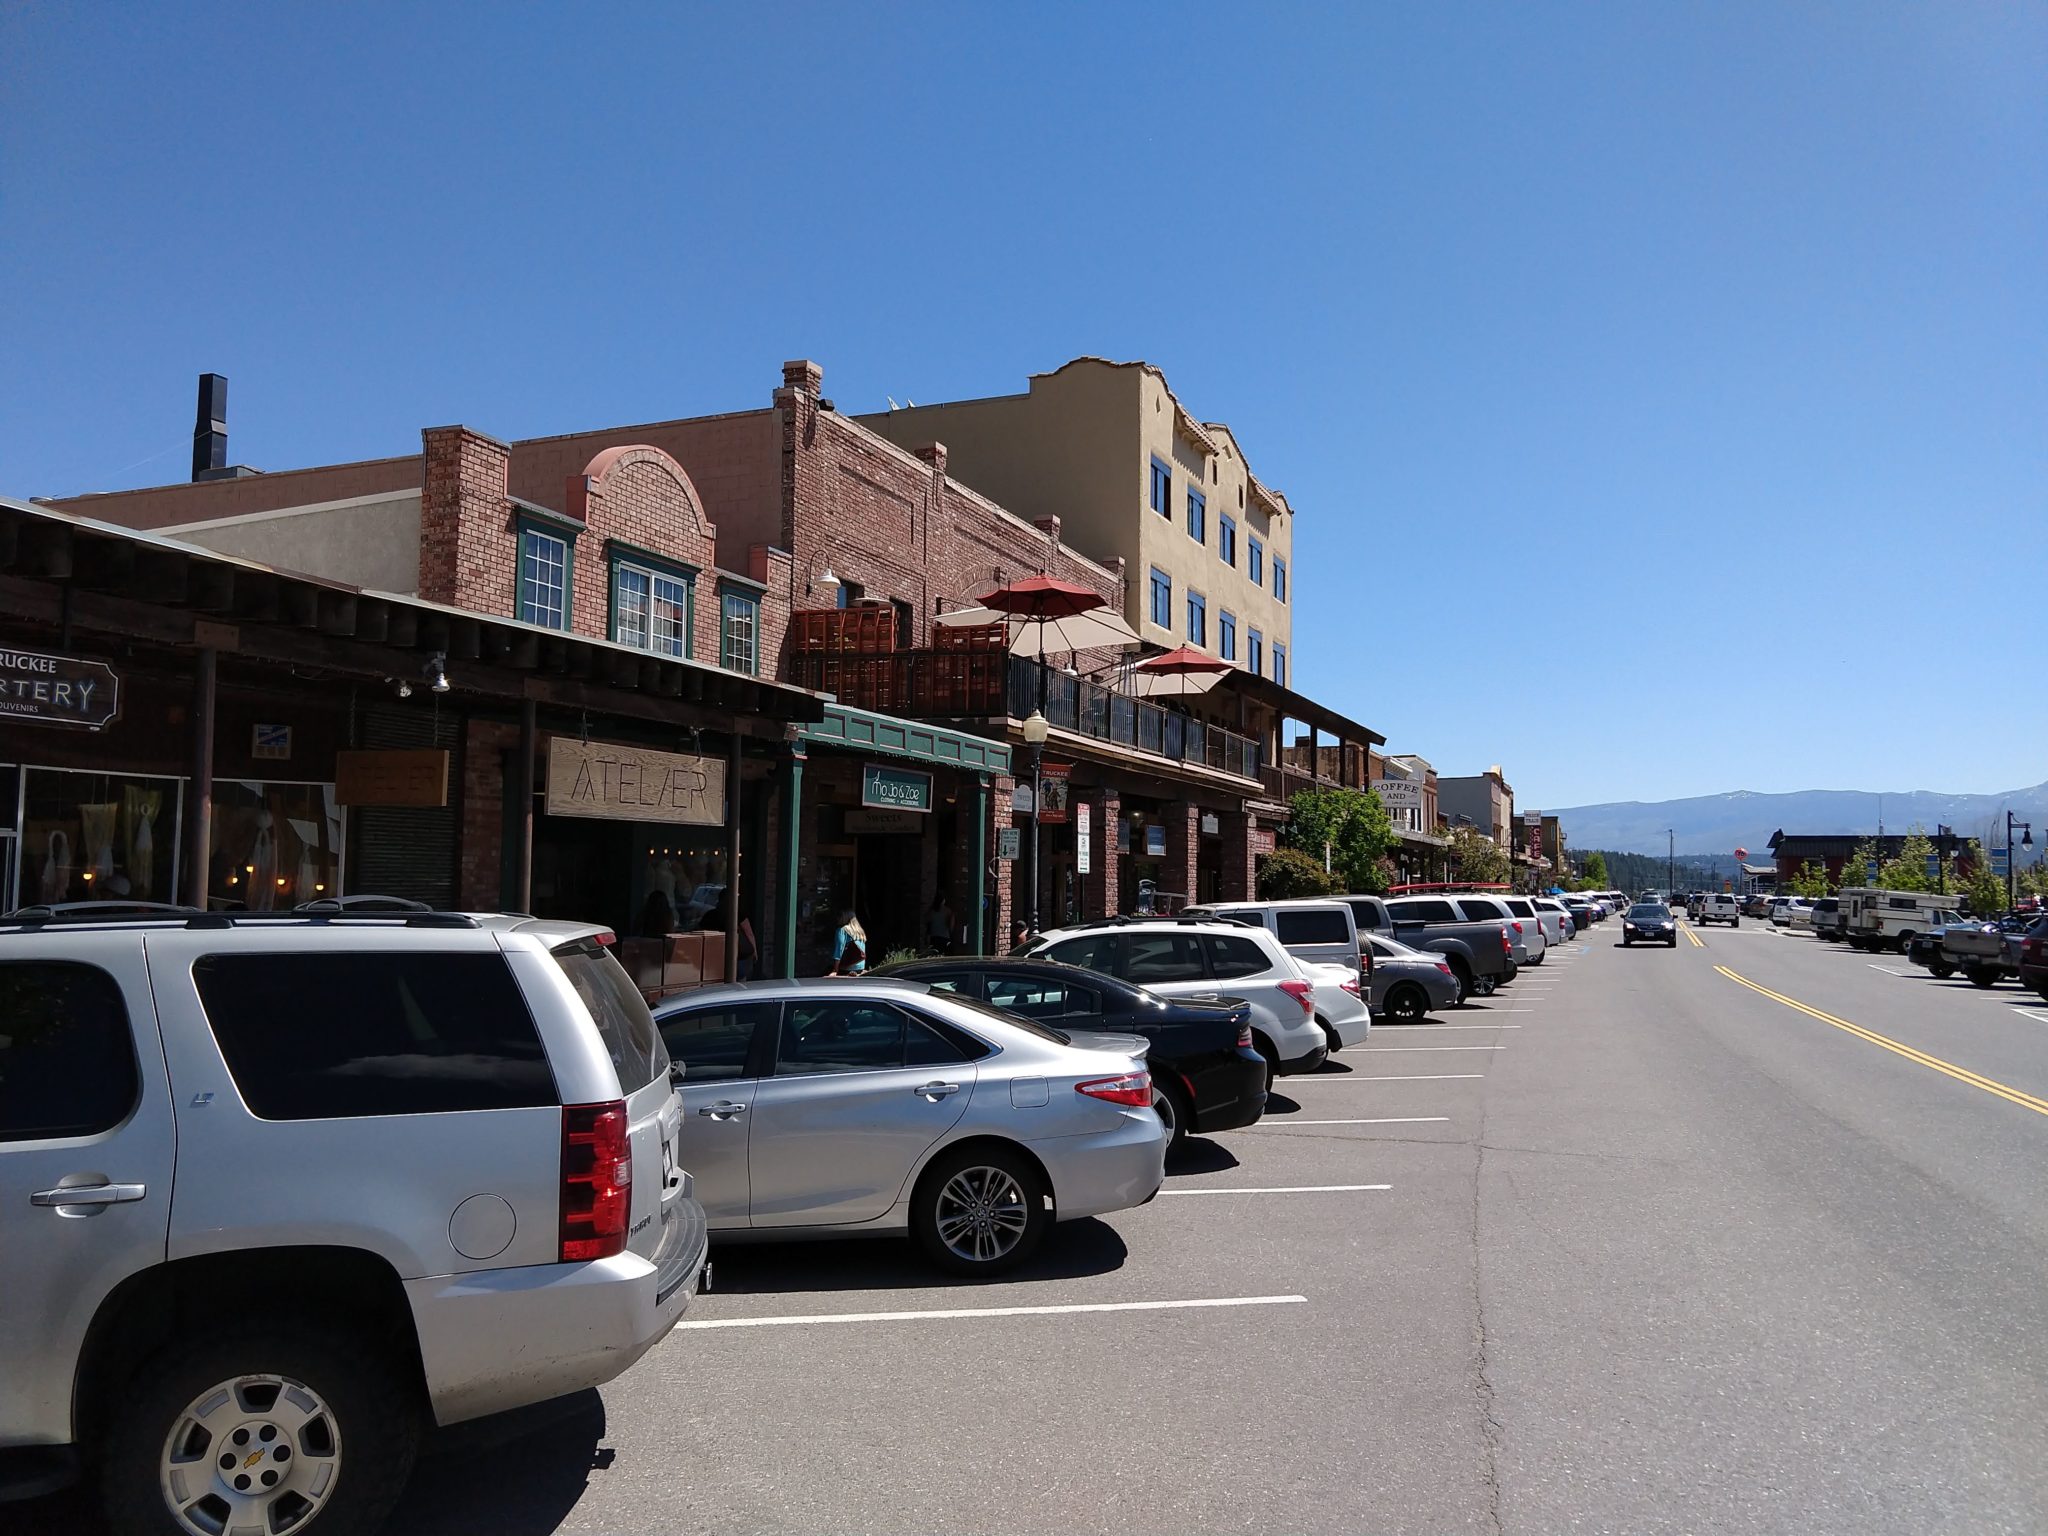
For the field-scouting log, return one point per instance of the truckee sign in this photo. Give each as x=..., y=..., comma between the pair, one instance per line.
x=57, y=690
x=618, y=783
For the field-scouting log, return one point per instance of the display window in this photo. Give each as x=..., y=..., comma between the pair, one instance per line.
x=96, y=837
x=273, y=845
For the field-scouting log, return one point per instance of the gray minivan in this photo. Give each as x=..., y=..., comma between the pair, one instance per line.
x=1317, y=929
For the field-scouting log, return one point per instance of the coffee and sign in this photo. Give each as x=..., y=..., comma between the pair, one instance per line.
x=619, y=783
x=57, y=690
x=883, y=788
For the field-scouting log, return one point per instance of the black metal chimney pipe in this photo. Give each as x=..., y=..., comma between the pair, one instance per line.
x=210, y=428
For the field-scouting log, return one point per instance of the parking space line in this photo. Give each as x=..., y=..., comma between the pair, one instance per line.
x=953, y=1312
x=1283, y=1189
x=1405, y=1077
x=1908, y=975
x=1377, y=1027
x=1369, y=1048
x=1279, y=1125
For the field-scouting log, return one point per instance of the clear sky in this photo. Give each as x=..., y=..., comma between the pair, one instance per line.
x=1663, y=389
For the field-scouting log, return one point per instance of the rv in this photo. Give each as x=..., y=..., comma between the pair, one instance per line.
x=1874, y=919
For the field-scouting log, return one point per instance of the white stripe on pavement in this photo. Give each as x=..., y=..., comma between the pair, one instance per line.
x=1369, y=1049
x=1051, y=1311
x=1889, y=971
x=1405, y=1077
x=1281, y=1189
x=1281, y=1125
x=1377, y=1027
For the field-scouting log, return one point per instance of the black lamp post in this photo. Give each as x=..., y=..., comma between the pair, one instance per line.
x=2026, y=841
x=1035, y=729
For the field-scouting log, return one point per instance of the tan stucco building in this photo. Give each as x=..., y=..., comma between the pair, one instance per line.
x=1130, y=472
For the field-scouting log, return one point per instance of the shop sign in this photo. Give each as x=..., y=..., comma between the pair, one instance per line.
x=1020, y=800
x=895, y=789
x=415, y=777
x=609, y=782
x=1403, y=800
x=57, y=690
x=1009, y=842
x=1058, y=782
x=884, y=821
x=270, y=741
x=1211, y=824
x=1083, y=841
x=1155, y=842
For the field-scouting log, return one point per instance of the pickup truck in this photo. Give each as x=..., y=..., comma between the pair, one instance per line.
x=1984, y=952
x=1478, y=953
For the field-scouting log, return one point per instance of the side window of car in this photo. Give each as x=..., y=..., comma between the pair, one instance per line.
x=67, y=1060
x=1082, y=1002
x=1034, y=997
x=1306, y=925
x=1476, y=911
x=1092, y=952
x=839, y=1037
x=1155, y=957
x=320, y=1036
x=1427, y=911
x=715, y=1043
x=927, y=1043
x=1233, y=955
x=954, y=983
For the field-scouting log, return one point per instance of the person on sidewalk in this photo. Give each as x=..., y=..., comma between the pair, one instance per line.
x=849, y=946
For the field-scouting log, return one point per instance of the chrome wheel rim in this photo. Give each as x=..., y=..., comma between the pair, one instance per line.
x=982, y=1214
x=255, y=1453
x=1405, y=1008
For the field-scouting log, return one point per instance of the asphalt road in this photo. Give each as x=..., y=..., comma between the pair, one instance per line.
x=1632, y=1247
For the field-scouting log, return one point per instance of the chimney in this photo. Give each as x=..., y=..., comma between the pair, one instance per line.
x=210, y=429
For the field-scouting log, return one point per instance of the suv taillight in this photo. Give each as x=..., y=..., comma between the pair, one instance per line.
x=1506, y=947
x=1133, y=1088
x=597, y=1181
x=1302, y=993
x=1244, y=1034
x=1518, y=928
x=1350, y=984
x=1364, y=960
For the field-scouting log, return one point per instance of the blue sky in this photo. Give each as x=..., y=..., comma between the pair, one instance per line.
x=1663, y=389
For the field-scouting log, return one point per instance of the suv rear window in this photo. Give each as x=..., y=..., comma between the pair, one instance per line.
x=1521, y=908
x=619, y=1011
x=1155, y=957
x=1233, y=955
x=1428, y=910
x=1480, y=909
x=1308, y=926
x=324, y=1036
x=67, y=1060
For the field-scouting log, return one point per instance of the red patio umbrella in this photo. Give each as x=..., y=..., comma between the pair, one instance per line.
x=1185, y=663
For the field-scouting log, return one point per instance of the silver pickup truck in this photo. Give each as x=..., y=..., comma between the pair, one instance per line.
x=1985, y=952
x=1480, y=954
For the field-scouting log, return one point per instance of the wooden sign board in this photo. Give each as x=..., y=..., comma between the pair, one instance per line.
x=618, y=783
x=416, y=777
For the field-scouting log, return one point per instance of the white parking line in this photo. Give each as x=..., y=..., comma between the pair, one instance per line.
x=1889, y=971
x=1282, y=1189
x=1370, y=1048
x=2036, y=1014
x=1377, y=1027
x=1405, y=1077
x=1278, y=1125
x=1052, y=1311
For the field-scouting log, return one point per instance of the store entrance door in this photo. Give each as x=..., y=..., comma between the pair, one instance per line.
x=888, y=886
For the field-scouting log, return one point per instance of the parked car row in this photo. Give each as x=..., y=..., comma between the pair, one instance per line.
x=1927, y=929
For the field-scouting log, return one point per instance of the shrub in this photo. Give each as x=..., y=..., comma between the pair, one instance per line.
x=1289, y=872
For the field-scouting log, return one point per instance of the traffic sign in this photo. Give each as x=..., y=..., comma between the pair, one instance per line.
x=2001, y=860
x=1934, y=866
x=1870, y=873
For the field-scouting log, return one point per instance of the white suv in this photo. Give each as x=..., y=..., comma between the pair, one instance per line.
x=1184, y=957
x=424, y=1169
x=1717, y=908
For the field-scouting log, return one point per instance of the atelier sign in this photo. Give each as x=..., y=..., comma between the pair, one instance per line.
x=57, y=690
x=618, y=783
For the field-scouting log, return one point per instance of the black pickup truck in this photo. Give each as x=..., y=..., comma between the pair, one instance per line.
x=1479, y=954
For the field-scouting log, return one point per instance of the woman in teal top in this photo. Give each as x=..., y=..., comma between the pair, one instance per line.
x=849, y=946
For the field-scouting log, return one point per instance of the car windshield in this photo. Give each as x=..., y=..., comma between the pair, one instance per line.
x=1645, y=911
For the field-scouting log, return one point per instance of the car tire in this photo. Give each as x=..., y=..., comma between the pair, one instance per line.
x=1407, y=1004
x=1980, y=977
x=1672, y=942
x=1265, y=1049
x=1486, y=986
x=1169, y=1104
x=1626, y=942
x=1462, y=974
x=1941, y=970
x=955, y=1185
x=364, y=1432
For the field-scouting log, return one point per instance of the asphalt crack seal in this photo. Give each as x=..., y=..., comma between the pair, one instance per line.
x=1491, y=1431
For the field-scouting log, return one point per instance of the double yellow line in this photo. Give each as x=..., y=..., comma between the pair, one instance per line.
x=1697, y=941
x=1946, y=1068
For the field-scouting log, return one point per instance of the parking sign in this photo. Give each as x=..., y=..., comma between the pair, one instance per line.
x=1934, y=866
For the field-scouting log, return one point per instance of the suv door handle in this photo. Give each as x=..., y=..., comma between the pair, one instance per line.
x=936, y=1090
x=724, y=1109
x=88, y=1195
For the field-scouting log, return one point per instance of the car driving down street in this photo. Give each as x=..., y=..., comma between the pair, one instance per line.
x=1649, y=922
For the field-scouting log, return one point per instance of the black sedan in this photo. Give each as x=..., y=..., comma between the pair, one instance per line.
x=1206, y=1073
x=1651, y=922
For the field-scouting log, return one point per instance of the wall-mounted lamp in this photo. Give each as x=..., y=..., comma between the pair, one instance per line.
x=826, y=580
x=436, y=672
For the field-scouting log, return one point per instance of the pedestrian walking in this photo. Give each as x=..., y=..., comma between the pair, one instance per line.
x=849, y=946
x=938, y=925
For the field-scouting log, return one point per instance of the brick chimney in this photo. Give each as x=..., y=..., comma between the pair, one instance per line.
x=468, y=557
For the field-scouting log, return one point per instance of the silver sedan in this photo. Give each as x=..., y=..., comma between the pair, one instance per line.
x=1408, y=983
x=859, y=1106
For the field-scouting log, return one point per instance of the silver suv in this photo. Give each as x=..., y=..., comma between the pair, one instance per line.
x=281, y=1188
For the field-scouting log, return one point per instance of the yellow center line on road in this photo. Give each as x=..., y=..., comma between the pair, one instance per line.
x=1697, y=941
x=1947, y=1068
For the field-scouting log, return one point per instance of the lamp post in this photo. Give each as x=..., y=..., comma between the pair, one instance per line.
x=1035, y=729
x=2026, y=841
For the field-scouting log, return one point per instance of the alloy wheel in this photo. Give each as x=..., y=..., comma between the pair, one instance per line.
x=982, y=1214
x=256, y=1453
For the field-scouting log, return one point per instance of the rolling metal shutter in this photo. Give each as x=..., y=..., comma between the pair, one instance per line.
x=405, y=850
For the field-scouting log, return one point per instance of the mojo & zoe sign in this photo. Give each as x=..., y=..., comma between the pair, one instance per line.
x=894, y=789
x=615, y=783
x=57, y=690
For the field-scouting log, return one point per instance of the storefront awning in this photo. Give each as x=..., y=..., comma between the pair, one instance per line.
x=865, y=731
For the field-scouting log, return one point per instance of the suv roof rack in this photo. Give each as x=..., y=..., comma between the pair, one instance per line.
x=88, y=913
x=1125, y=919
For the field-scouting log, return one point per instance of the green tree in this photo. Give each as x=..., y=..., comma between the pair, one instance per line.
x=1983, y=890
x=1908, y=872
x=1354, y=828
x=1289, y=872
x=1477, y=859
x=1593, y=876
x=1811, y=881
x=1856, y=868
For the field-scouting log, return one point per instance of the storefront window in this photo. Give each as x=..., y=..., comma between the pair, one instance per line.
x=274, y=846
x=681, y=882
x=97, y=837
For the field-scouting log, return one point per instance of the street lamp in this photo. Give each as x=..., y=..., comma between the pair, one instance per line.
x=1035, y=730
x=2026, y=841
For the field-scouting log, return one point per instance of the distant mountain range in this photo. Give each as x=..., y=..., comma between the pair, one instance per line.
x=1718, y=824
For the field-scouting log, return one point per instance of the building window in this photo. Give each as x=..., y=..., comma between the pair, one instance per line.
x=1198, y=619
x=543, y=579
x=738, y=623
x=1254, y=652
x=651, y=607
x=1226, y=634
x=1198, y=516
x=1226, y=539
x=1280, y=665
x=1162, y=598
x=1279, y=579
x=1162, y=488
x=1255, y=562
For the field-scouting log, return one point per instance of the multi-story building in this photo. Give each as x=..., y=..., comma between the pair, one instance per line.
x=1133, y=476
x=1486, y=800
x=1407, y=784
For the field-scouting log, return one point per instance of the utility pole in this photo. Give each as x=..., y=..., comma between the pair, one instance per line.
x=1670, y=863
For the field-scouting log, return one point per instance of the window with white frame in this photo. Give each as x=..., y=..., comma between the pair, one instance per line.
x=650, y=609
x=738, y=625
x=543, y=579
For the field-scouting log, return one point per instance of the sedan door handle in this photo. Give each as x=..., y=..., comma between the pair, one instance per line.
x=724, y=1109
x=88, y=1195
x=936, y=1090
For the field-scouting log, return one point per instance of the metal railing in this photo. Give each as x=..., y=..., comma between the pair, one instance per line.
x=1089, y=709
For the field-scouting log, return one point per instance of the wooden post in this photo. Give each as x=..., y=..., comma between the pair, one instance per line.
x=732, y=858
x=522, y=786
x=198, y=830
x=792, y=863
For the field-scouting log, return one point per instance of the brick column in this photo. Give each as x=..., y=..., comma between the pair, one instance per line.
x=469, y=557
x=1240, y=856
x=1183, y=847
x=1100, y=896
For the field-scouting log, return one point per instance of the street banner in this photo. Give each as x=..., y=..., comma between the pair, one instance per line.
x=1057, y=781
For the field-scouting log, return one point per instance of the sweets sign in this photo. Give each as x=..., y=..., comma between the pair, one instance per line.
x=57, y=690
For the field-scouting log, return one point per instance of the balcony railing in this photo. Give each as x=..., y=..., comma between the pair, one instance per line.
x=966, y=685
